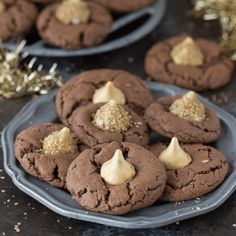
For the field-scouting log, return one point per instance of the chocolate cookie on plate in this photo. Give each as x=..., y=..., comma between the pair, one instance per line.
x=45, y=151
x=116, y=178
x=106, y=122
x=100, y=86
x=192, y=169
x=184, y=117
x=74, y=24
x=124, y=5
x=198, y=64
x=16, y=18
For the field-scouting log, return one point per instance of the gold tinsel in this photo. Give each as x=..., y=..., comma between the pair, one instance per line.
x=225, y=12
x=17, y=80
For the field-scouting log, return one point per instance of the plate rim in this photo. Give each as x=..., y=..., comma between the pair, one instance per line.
x=136, y=222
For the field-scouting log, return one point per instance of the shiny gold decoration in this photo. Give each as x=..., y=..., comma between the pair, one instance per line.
x=225, y=12
x=188, y=107
x=112, y=117
x=59, y=142
x=17, y=80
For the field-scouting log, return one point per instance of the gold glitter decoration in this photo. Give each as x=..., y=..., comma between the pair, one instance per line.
x=17, y=80
x=112, y=117
x=225, y=12
x=188, y=107
x=73, y=12
x=59, y=142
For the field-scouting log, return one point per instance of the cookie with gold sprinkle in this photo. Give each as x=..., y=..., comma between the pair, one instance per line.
x=106, y=122
x=184, y=117
x=45, y=151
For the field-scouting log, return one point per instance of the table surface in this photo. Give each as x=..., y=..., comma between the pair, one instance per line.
x=35, y=219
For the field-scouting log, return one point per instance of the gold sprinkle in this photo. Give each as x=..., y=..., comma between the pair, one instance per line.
x=112, y=117
x=189, y=108
x=59, y=142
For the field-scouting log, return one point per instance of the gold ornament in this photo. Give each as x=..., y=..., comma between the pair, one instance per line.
x=225, y=12
x=17, y=80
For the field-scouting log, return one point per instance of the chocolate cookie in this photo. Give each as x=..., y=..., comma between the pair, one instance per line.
x=207, y=170
x=16, y=18
x=88, y=133
x=169, y=125
x=79, y=91
x=214, y=73
x=124, y=5
x=89, y=189
x=74, y=36
x=28, y=151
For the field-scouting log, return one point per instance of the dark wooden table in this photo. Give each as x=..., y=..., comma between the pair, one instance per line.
x=35, y=219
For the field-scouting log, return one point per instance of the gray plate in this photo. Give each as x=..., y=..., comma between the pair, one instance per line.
x=42, y=110
x=154, y=12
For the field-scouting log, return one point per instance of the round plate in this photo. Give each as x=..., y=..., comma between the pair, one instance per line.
x=42, y=110
x=152, y=14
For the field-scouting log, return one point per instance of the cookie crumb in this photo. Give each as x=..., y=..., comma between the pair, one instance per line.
x=3, y=190
x=16, y=203
x=234, y=225
x=205, y=161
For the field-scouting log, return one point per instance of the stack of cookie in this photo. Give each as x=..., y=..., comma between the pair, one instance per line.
x=69, y=24
x=103, y=154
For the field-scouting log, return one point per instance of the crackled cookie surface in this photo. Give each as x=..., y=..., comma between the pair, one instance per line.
x=44, y=165
x=82, y=123
x=124, y=5
x=207, y=170
x=72, y=36
x=92, y=192
x=16, y=18
x=161, y=120
x=80, y=90
x=214, y=73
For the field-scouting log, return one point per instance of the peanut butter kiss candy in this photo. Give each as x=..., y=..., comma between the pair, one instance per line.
x=59, y=142
x=117, y=170
x=108, y=92
x=112, y=117
x=73, y=12
x=187, y=53
x=2, y=7
x=174, y=157
x=189, y=108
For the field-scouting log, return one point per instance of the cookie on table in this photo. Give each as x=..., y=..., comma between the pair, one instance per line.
x=206, y=170
x=45, y=151
x=82, y=89
x=101, y=123
x=74, y=24
x=124, y=5
x=184, y=117
x=116, y=178
x=16, y=18
x=198, y=64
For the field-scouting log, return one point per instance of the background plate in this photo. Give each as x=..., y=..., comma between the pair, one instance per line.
x=42, y=110
x=146, y=20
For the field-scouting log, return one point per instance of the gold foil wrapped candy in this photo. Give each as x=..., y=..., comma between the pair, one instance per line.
x=17, y=80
